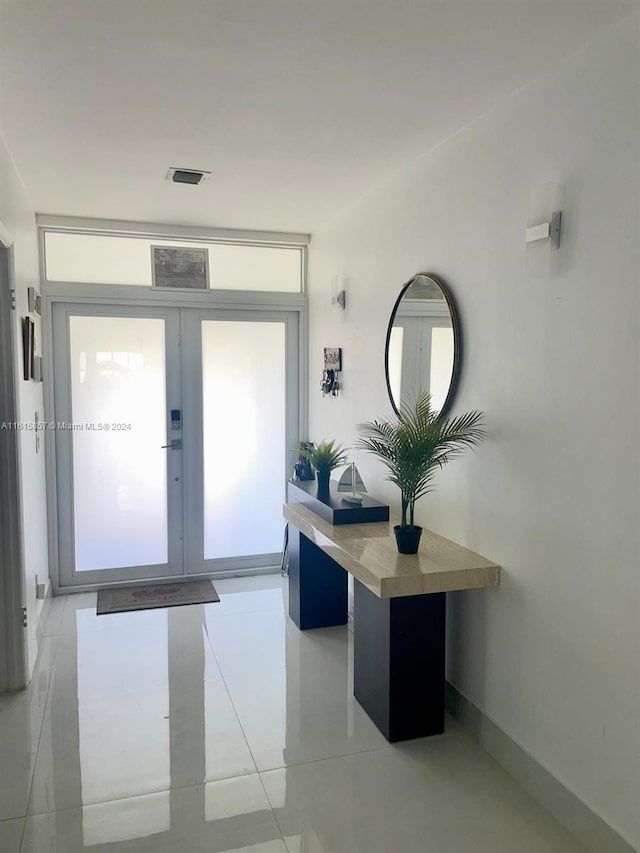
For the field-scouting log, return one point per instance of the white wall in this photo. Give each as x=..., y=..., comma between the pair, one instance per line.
x=553, y=656
x=18, y=217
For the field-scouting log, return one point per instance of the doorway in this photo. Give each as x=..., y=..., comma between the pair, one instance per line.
x=174, y=431
x=14, y=646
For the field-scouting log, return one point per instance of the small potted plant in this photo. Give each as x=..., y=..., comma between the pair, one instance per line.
x=413, y=447
x=326, y=456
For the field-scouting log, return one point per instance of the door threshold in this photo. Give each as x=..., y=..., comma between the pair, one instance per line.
x=229, y=573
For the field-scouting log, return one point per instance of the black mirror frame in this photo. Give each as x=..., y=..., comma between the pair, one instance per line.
x=457, y=341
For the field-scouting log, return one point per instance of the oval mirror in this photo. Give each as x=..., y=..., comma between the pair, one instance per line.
x=422, y=351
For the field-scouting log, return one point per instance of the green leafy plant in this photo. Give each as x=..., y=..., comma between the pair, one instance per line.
x=325, y=456
x=418, y=443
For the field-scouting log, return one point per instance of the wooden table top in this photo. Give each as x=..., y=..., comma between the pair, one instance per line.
x=369, y=552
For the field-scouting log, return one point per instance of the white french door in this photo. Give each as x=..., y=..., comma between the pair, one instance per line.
x=174, y=432
x=421, y=355
x=240, y=387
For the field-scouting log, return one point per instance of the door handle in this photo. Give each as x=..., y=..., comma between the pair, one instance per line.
x=176, y=444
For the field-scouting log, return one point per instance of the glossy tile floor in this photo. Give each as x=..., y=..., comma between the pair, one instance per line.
x=221, y=727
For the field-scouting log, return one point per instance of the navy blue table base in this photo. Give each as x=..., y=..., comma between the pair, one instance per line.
x=399, y=643
x=399, y=658
x=317, y=585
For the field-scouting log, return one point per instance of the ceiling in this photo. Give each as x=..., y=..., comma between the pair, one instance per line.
x=299, y=108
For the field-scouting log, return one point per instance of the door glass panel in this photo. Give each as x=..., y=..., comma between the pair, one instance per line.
x=137, y=748
x=395, y=361
x=118, y=408
x=243, y=366
x=441, y=364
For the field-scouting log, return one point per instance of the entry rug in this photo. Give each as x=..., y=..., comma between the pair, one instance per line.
x=144, y=597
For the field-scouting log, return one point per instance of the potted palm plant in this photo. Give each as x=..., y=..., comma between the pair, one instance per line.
x=413, y=446
x=324, y=457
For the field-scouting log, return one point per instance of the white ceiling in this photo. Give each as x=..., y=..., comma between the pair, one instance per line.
x=298, y=107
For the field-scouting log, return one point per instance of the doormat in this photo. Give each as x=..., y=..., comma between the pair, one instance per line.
x=144, y=597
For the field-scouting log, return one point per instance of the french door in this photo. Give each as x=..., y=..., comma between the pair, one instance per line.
x=174, y=432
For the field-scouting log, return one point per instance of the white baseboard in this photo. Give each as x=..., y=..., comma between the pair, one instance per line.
x=44, y=610
x=584, y=824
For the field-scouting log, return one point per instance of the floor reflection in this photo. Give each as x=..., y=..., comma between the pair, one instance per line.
x=219, y=817
x=21, y=717
x=292, y=690
x=136, y=709
x=138, y=725
x=223, y=728
x=129, y=737
x=144, y=705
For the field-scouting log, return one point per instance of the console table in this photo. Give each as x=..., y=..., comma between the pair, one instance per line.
x=399, y=608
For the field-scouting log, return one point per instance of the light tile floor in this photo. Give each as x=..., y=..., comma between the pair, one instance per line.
x=223, y=728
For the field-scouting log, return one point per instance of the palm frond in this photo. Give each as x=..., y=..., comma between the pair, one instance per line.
x=417, y=443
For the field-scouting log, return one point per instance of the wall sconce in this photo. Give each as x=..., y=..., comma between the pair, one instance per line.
x=551, y=230
x=340, y=300
x=338, y=290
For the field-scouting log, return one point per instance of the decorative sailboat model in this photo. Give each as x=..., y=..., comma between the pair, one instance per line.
x=351, y=484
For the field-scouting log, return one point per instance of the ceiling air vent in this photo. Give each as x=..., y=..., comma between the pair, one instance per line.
x=187, y=176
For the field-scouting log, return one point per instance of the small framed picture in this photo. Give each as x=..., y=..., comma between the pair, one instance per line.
x=186, y=269
x=332, y=358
